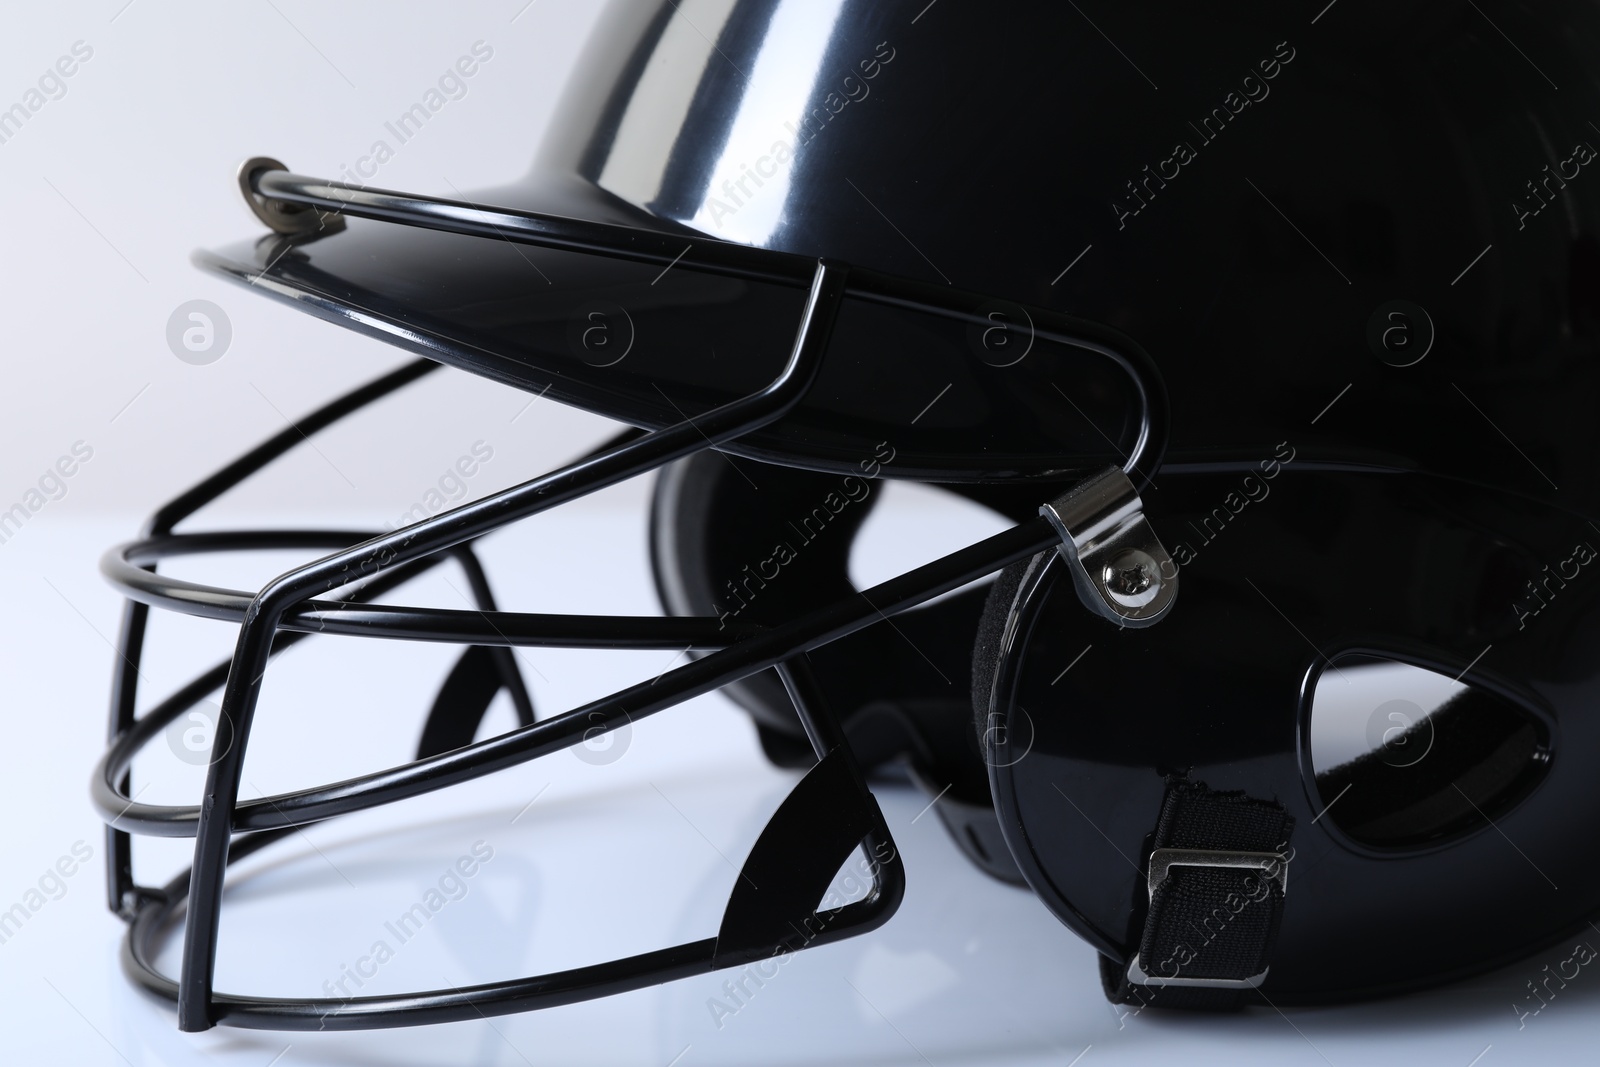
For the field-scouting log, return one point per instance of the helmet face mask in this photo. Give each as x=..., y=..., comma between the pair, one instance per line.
x=691, y=258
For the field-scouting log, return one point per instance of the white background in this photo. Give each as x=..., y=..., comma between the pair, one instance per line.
x=106, y=191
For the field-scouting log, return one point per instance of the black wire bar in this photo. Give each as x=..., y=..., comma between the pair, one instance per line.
x=329, y=596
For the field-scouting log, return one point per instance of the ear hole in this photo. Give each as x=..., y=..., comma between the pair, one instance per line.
x=1405, y=757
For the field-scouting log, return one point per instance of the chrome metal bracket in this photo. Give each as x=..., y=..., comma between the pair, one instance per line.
x=1118, y=565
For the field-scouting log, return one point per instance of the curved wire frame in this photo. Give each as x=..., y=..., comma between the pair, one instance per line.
x=331, y=594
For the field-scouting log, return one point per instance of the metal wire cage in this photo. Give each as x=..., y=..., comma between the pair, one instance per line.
x=829, y=813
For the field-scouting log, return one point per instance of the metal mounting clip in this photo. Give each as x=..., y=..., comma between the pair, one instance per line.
x=1118, y=565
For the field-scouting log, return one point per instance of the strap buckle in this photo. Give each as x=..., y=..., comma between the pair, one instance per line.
x=1275, y=865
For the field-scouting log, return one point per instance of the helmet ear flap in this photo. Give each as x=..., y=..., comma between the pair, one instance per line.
x=986, y=650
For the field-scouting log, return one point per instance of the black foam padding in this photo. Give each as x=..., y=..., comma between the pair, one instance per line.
x=986, y=649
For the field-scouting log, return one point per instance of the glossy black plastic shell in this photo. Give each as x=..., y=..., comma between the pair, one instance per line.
x=905, y=366
x=999, y=146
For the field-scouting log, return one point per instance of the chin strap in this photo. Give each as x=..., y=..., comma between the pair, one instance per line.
x=1215, y=889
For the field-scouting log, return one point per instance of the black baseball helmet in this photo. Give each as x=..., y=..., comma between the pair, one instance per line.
x=1298, y=311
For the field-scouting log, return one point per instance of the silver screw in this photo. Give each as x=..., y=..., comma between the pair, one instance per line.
x=1132, y=579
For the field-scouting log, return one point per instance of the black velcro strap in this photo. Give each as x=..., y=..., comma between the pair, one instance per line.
x=1205, y=921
